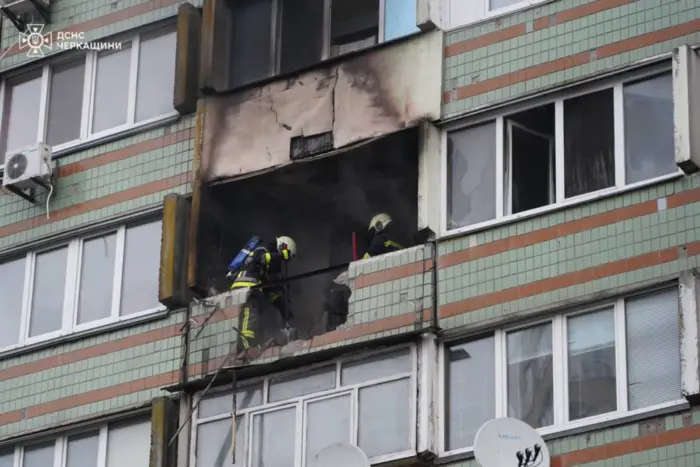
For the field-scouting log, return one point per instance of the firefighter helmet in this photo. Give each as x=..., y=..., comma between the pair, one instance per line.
x=287, y=243
x=380, y=222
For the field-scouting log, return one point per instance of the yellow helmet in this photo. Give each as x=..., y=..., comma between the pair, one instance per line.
x=380, y=222
x=288, y=243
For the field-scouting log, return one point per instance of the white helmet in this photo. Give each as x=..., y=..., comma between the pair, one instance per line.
x=288, y=243
x=380, y=222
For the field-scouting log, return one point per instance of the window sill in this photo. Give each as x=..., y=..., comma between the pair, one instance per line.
x=582, y=426
x=496, y=14
x=107, y=136
x=571, y=202
x=55, y=339
x=113, y=134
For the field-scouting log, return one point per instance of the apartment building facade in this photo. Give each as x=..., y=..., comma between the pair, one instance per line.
x=551, y=245
x=552, y=277
x=87, y=348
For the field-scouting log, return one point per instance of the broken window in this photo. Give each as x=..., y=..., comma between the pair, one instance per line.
x=589, y=143
x=354, y=25
x=471, y=168
x=325, y=205
x=649, y=143
x=529, y=164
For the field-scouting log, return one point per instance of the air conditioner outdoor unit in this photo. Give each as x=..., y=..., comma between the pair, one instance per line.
x=28, y=168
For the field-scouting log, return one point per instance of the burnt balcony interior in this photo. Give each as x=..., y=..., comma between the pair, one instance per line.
x=325, y=205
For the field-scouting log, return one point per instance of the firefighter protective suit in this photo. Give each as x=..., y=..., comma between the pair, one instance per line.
x=264, y=265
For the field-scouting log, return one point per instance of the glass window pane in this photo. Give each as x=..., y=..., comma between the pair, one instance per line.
x=302, y=34
x=221, y=404
x=39, y=455
x=498, y=4
x=48, y=292
x=21, y=119
x=530, y=377
x=649, y=143
x=65, y=103
x=381, y=366
x=354, y=25
x=471, y=401
x=384, y=426
x=7, y=458
x=141, y=268
x=12, y=293
x=273, y=438
x=592, y=375
x=129, y=444
x=282, y=388
x=82, y=450
x=156, y=76
x=327, y=422
x=111, y=89
x=251, y=42
x=399, y=18
x=96, y=278
x=653, y=377
x=471, y=173
x=214, y=443
x=589, y=143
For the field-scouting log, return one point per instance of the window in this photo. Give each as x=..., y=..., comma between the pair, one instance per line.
x=458, y=13
x=569, y=371
x=559, y=153
x=286, y=420
x=113, y=445
x=273, y=37
x=77, y=98
x=88, y=282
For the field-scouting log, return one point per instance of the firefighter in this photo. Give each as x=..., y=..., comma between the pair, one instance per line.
x=381, y=229
x=263, y=265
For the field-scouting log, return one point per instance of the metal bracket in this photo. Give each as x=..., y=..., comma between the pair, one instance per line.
x=14, y=19
x=31, y=195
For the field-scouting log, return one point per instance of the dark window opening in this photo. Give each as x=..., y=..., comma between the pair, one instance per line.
x=354, y=25
x=301, y=41
x=319, y=203
x=589, y=143
x=529, y=163
x=251, y=48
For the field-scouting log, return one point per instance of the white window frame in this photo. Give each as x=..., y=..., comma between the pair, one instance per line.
x=559, y=373
x=481, y=11
x=90, y=61
x=501, y=185
x=69, y=318
x=60, y=444
x=301, y=402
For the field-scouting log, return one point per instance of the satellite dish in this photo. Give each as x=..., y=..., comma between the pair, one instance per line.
x=509, y=442
x=340, y=455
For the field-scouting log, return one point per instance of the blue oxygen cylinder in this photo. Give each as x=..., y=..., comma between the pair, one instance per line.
x=240, y=258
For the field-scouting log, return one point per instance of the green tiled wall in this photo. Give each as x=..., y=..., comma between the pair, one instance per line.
x=681, y=454
x=73, y=13
x=90, y=374
x=101, y=181
x=558, y=41
x=667, y=228
x=396, y=297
